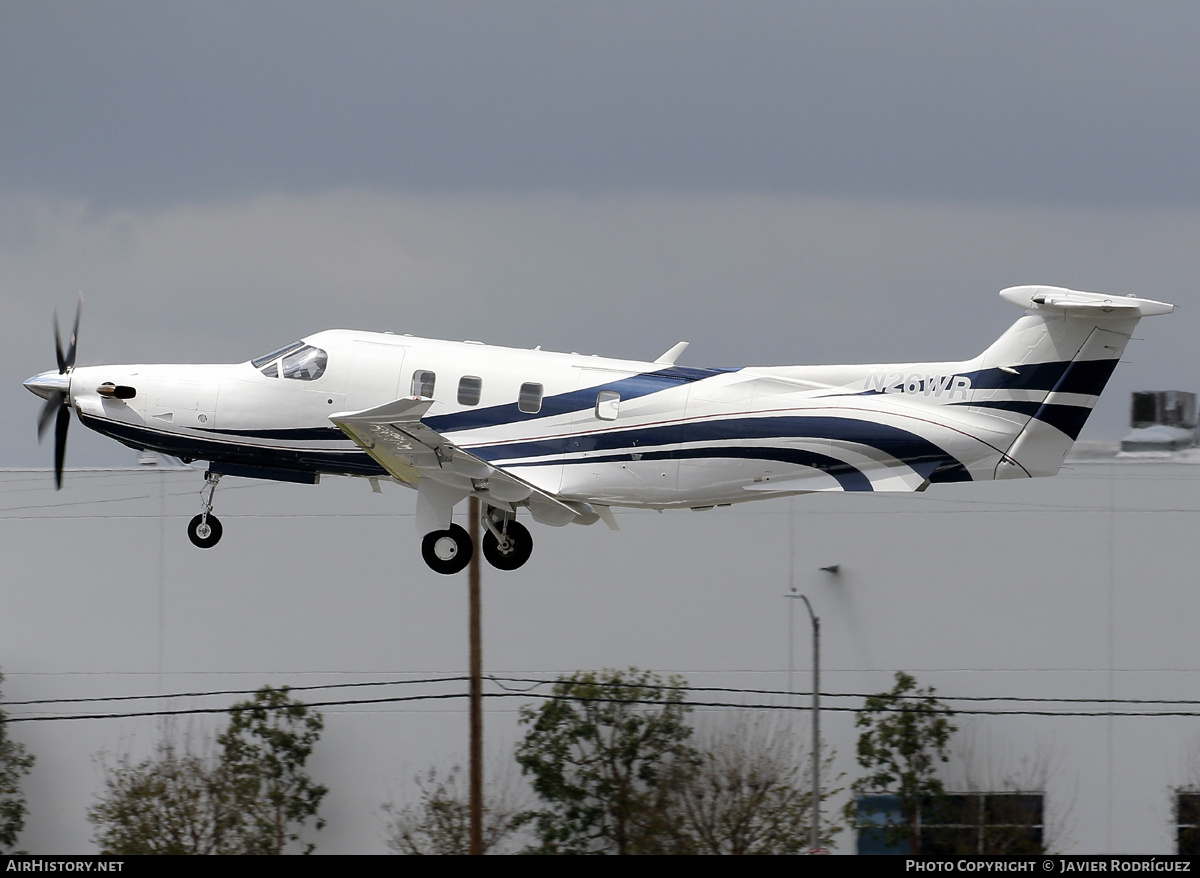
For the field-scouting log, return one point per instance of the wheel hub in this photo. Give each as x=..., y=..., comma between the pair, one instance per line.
x=445, y=549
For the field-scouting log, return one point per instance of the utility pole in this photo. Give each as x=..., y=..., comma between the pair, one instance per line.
x=476, y=684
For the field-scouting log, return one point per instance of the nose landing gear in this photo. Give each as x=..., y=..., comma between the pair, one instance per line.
x=205, y=529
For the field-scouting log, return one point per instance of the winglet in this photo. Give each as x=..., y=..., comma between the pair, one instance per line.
x=669, y=358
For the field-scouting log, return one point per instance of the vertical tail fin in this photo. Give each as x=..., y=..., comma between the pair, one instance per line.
x=1047, y=371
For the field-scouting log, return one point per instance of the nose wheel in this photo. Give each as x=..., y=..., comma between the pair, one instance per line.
x=447, y=551
x=205, y=529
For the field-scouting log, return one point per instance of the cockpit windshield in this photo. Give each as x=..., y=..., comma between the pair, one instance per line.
x=259, y=362
x=301, y=362
x=306, y=364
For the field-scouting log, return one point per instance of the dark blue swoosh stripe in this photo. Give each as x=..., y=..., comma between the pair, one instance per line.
x=582, y=399
x=900, y=444
x=297, y=434
x=352, y=461
x=1082, y=376
x=1067, y=418
x=849, y=477
x=1073, y=376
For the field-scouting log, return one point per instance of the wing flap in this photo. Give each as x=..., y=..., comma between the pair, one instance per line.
x=442, y=472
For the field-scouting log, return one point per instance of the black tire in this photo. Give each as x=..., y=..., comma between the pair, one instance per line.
x=447, y=551
x=206, y=536
x=520, y=547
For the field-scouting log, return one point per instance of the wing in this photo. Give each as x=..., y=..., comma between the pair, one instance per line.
x=442, y=472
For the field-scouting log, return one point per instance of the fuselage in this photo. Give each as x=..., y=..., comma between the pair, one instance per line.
x=599, y=430
x=563, y=436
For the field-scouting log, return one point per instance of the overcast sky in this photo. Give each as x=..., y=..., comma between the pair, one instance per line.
x=776, y=182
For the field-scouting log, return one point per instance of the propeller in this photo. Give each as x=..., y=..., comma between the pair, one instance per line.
x=55, y=388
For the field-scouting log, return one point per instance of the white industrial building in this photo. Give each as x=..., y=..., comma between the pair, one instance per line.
x=1078, y=590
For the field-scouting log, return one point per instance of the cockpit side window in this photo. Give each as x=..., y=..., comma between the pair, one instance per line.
x=306, y=364
x=271, y=370
x=259, y=362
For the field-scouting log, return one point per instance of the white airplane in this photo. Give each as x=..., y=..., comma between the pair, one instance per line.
x=565, y=437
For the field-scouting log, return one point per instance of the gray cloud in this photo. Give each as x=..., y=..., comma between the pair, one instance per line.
x=1072, y=102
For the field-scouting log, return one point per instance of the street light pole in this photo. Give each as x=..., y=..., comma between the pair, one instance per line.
x=815, y=831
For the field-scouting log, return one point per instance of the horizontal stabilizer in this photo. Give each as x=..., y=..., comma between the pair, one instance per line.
x=1075, y=303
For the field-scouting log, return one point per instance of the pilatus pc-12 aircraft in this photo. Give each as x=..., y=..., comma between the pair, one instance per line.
x=565, y=437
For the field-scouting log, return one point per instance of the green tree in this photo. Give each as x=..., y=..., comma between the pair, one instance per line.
x=751, y=793
x=15, y=763
x=606, y=753
x=247, y=795
x=440, y=823
x=266, y=747
x=906, y=734
x=174, y=802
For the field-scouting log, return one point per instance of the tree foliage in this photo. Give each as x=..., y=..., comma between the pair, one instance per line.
x=606, y=754
x=249, y=795
x=613, y=760
x=440, y=823
x=15, y=763
x=751, y=794
x=266, y=747
x=174, y=802
x=906, y=734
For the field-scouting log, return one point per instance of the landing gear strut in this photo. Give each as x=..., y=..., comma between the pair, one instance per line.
x=507, y=544
x=447, y=551
x=205, y=529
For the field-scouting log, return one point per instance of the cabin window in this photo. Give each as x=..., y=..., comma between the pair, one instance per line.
x=607, y=404
x=530, y=398
x=469, y=389
x=306, y=364
x=259, y=362
x=422, y=383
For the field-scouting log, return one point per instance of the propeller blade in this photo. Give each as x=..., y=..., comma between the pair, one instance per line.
x=53, y=403
x=58, y=352
x=74, y=335
x=60, y=444
x=57, y=399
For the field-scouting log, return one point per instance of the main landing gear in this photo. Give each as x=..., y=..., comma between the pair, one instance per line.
x=507, y=544
x=205, y=529
x=447, y=551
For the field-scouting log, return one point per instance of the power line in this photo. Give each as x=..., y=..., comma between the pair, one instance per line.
x=536, y=682
x=584, y=699
x=215, y=692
